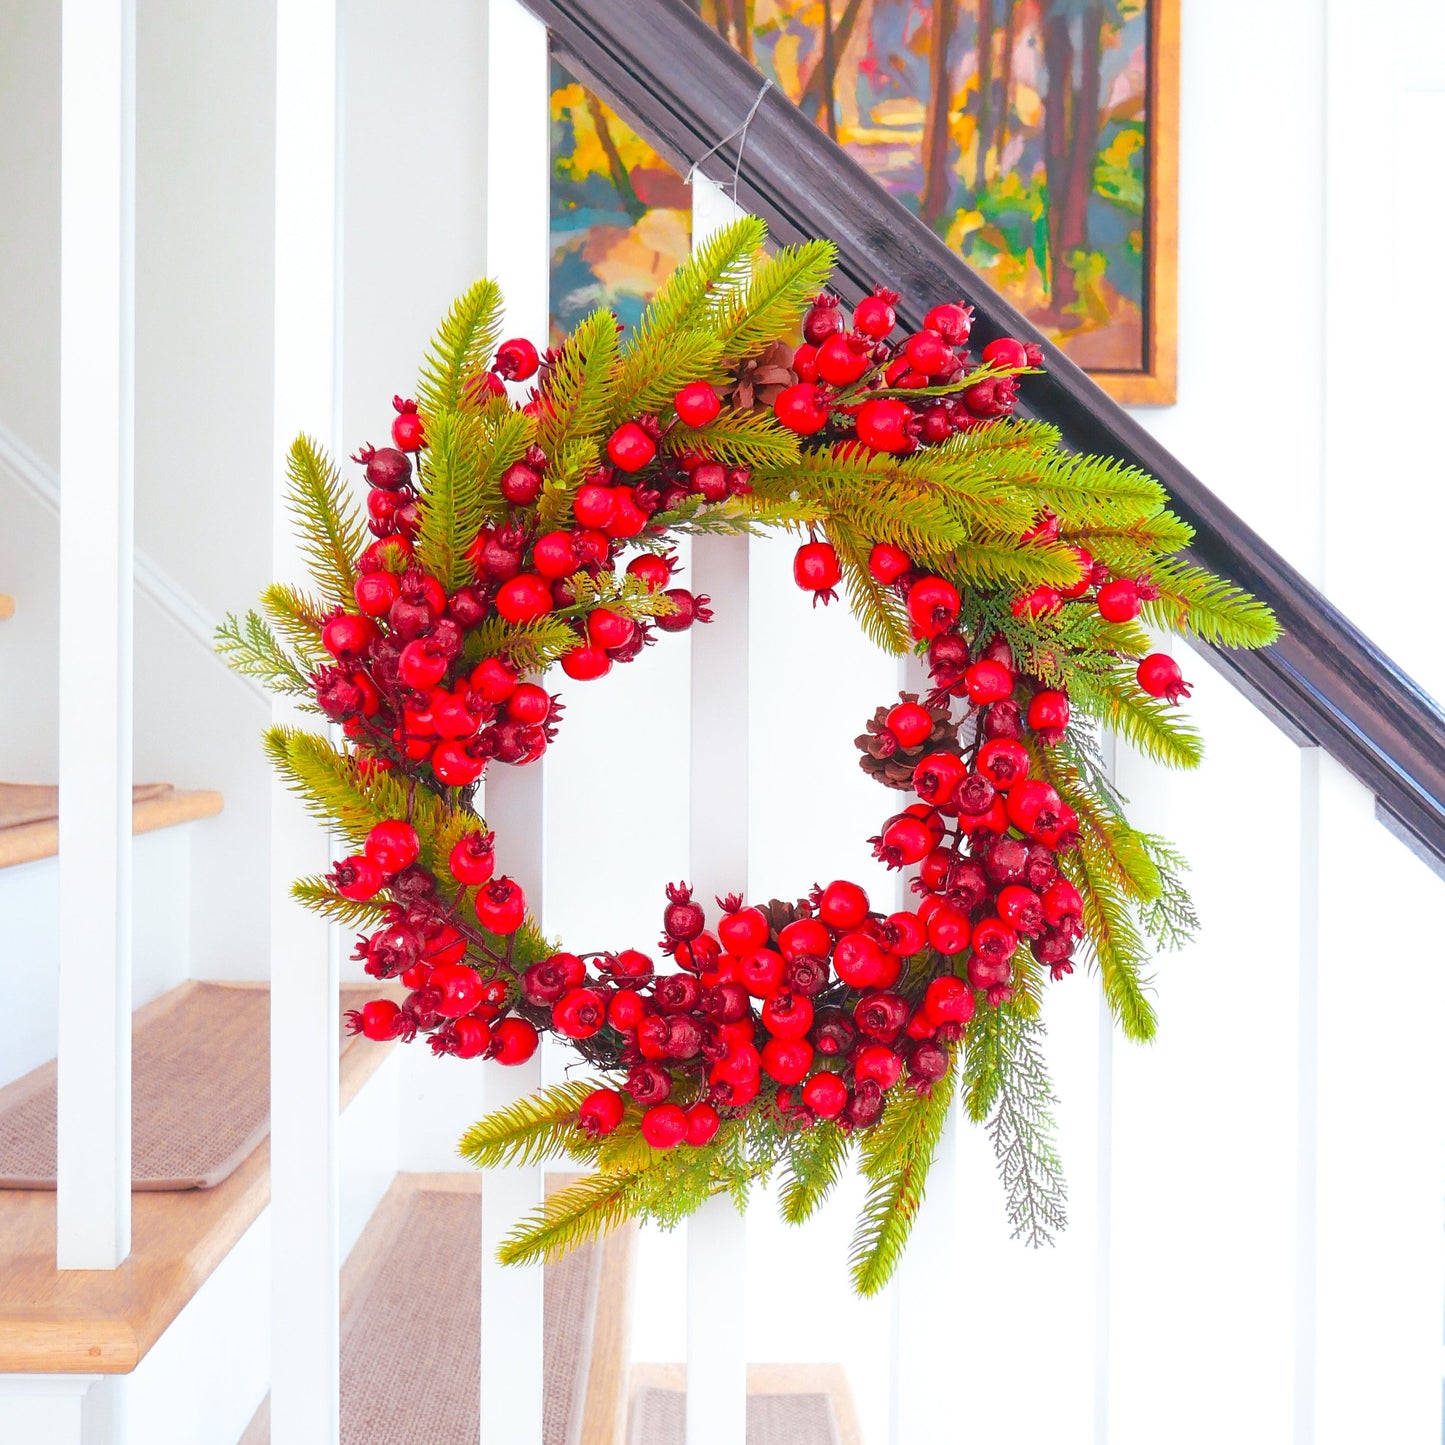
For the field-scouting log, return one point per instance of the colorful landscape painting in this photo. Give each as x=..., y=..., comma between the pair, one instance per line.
x=1019, y=130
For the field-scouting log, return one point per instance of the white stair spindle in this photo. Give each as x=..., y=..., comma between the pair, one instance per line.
x=716, y=1354
x=97, y=448
x=305, y=1369
x=518, y=252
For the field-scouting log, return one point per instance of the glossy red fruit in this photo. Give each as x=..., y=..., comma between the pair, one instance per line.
x=801, y=409
x=421, y=665
x=910, y=724
x=843, y=905
x=586, y=663
x=606, y=628
x=787, y=1060
x=1048, y=714
x=494, y=679
x=1063, y=905
x=1021, y=909
x=516, y=359
x=460, y=987
x=1086, y=575
x=948, y=999
x=804, y=936
x=703, y=1122
x=952, y=320
x=787, y=1015
x=903, y=841
x=524, y=598
x=529, y=704
x=937, y=776
x=822, y=319
x=879, y=1063
x=473, y=859
x=826, y=1095
x=841, y=362
x=994, y=939
x=874, y=315
x=1005, y=761
x=554, y=554
x=664, y=1126
x=949, y=930
x=928, y=354
x=579, y=1013
x=933, y=604
x=378, y=1019
x=904, y=934
x=601, y=1112
x=501, y=906
x=593, y=505
x=514, y=1041
x=761, y=972
x=987, y=682
x=627, y=1010
x=1005, y=351
x=883, y=424
x=743, y=931
x=375, y=592
x=696, y=404
x=357, y=878
x=655, y=571
x=1119, y=600
x=408, y=431
x=815, y=569
x=859, y=960
x=1032, y=804
x=629, y=448
x=805, y=362
x=393, y=845
x=1159, y=676
x=348, y=636
x=628, y=519
x=888, y=563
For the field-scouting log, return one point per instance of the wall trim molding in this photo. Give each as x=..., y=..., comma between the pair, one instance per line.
x=34, y=475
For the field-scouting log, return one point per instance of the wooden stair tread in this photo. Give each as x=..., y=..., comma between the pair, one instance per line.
x=380, y=1266
x=7, y=607
x=104, y=1321
x=29, y=829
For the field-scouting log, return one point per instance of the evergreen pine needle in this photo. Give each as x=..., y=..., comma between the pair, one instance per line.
x=530, y=1130
x=327, y=521
x=460, y=350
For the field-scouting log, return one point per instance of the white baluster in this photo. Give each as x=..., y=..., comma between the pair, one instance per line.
x=518, y=250
x=97, y=445
x=716, y=1355
x=304, y=1032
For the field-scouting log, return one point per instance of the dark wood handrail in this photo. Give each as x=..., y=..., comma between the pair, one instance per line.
x=685, y=88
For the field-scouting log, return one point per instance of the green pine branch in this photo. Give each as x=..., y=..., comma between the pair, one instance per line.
x=774, y=299
x=316, y=894
x=575, y=406
x=250, y=648
x=299, y=619
x=327, y=522
x=461, y=349
x=538, y=1127
x=720, y=263
x=454, y=503
x=1193, y=600
x=738, y=439
x=655, y=368
x=812, y=1167
x=1115, y=943
x=593, y=1206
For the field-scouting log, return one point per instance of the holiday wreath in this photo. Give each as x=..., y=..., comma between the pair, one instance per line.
x=509, y=537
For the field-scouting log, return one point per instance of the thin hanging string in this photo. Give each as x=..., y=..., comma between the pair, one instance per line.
x=740, y=135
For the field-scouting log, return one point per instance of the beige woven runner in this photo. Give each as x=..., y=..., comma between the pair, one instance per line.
x=659, y=1417
x=200, y=1094
x=24, y=803
x=410, y=1351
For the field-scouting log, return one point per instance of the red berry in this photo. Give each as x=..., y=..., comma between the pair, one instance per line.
x=787, y=1015
x=937, y=776
x=879, y=1063
x=994, y=939
x=805, y=362
x=826, y=1095
x=1119, y=600
x=461, y=989
x=933, y=604
x=904, y=934
x=841, y=361
x=1020, y=908
x=883, y=424
x=949, y=930
x=703, y=1121
x=1063, y=905
x=495, y=679
x=393, y=845
x=988, y=682
x=347, y=636
x=601, y=1112
x=952, y=321
x=421, y=665
x=516, y=359
x=874, y=315
x=815, y=569
x=608, y=629
x=586, y=663
x=843, y=905
x=1005, y=761
x=860, y=961
x=1039, y=603
x=904, y=840
x=514, y=1041
x=627, y=1009
x=823, y=318
x=386, y=467
x=696, y=404
x=629, y=448
x=628, y=519
x=593, y=505
x=801, y=409
x=928, y=354
x=501, y=906
x=787, y=1060
x=804, y=937
x=554, y=555
x=664, y=1126
x=910, y=724
x=375, y=592
x=473, y=859
x=579, y=1013
x=529, y=704
x=761, y=972
x=1032, y=804
x=1049, y=714
x=378, y=1019
x=1005, y=351
x=888, y=563
x=408, y=432
x=1159, y=676
x=655, y=571
x=743, y=931
x=524, y=598
x=948, y=999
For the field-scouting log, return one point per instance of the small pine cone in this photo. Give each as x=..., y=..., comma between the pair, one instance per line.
x=780, y=914
x=891, y=764
x=756, y=383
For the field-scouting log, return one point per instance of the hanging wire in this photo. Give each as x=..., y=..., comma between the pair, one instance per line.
x=740, y=134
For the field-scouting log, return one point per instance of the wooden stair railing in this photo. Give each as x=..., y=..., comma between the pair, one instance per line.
x=684, y=87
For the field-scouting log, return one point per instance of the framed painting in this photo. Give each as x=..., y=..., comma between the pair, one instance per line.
x=1039, y=138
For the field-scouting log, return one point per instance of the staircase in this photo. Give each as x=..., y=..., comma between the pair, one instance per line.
x=1255, y=1202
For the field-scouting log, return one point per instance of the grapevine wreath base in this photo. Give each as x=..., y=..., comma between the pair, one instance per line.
x=511, y=537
